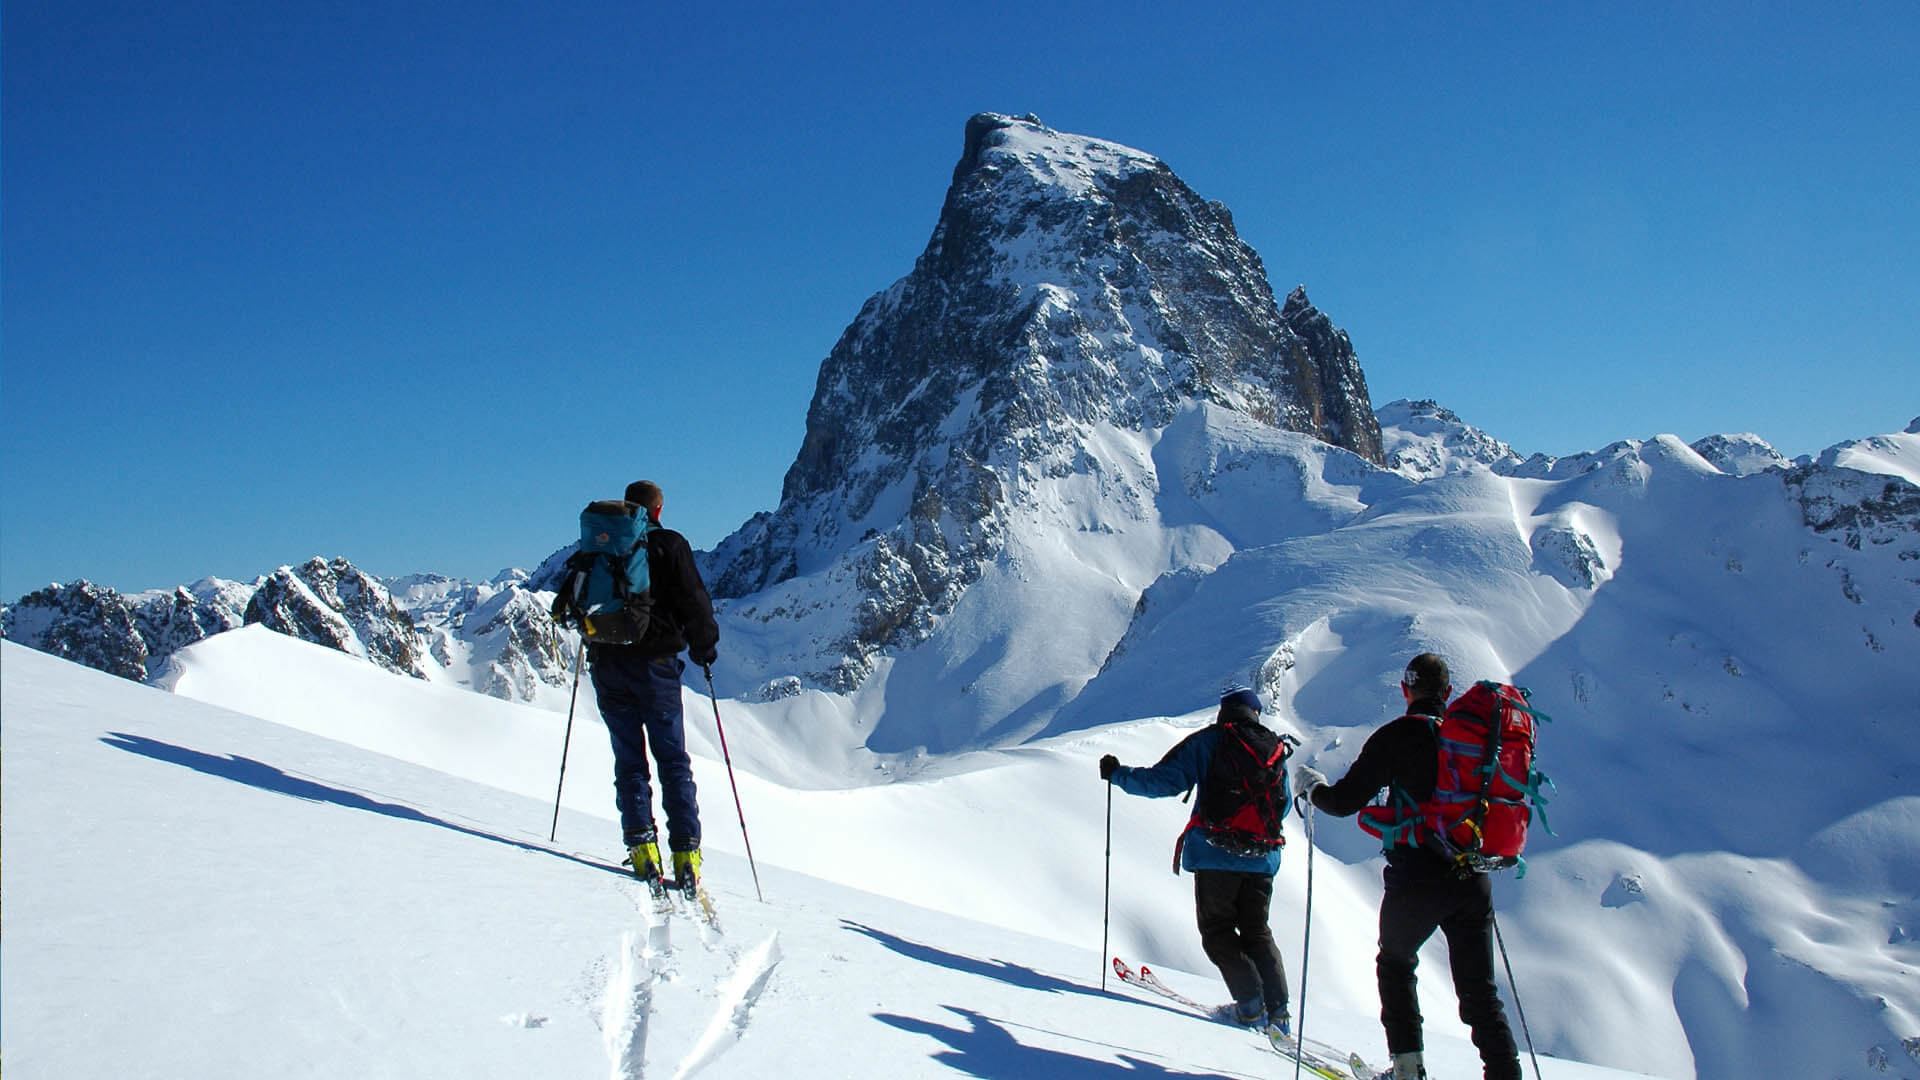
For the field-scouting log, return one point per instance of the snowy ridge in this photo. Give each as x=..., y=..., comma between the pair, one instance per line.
x=1896, y=455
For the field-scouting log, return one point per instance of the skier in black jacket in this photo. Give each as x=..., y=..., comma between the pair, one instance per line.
x=1424, y=891
x=637, y=687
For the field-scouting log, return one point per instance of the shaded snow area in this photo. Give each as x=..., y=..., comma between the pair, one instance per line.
x=195, y=892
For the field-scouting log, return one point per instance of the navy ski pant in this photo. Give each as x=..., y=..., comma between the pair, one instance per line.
x=1231, y=908
x=1414, y=906
x=640, y=701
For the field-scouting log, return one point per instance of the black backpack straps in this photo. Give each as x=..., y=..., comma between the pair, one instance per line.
x=566, y=599
x=1496, y=730
x=1265, y=760
x=1279, y=754
x=1490, y=753
x=622, y=584
x=617, y=570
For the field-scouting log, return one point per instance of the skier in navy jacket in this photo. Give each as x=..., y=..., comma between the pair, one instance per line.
x=1231, y=892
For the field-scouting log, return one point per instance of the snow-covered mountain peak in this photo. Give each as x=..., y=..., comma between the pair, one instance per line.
x=1074, y=299
x=1890, y=455
x=1075, y=164
x=1423, y=439
x=1867, y=494
x=1740, y=455
x=423, y=590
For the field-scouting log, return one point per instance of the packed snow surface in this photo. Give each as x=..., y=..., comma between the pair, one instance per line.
x=195, y=892
x=361, y=885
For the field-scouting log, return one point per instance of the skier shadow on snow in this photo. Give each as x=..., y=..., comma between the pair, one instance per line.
x=987, y=1049
x=1012, y=974
x=266, y=777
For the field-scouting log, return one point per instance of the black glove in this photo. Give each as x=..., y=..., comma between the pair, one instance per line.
x=704, y=657
x=1108, y=764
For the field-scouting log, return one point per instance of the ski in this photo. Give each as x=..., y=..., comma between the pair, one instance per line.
x=696, y=895
x=1311, y=1059
x=1146, y=978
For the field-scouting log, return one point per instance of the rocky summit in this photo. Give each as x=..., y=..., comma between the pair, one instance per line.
x=1071, y=285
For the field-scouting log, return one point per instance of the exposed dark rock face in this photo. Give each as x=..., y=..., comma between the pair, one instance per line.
x=1070, y=283
x=338, y=605
x=129, y=636
x=1856, y=507
x=1070, y=280
x=170, y=621
x=82, y=622
x=496, y=636
x=515, y=647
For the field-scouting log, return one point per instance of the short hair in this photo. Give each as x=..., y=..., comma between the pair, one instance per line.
x=646, y=493
x=1426, y=676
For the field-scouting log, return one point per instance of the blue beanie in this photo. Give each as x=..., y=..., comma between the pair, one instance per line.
x=1242, y=696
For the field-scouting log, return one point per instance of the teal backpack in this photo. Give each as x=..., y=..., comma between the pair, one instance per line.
x=605, y=592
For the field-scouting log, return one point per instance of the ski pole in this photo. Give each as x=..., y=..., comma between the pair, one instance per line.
x=1306, y=946
x=566, y=743
x=1515, y=987
x=728, y=758
x=1106, y=889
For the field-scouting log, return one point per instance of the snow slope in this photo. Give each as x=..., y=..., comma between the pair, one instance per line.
x=1727, y=651
x=194, y=892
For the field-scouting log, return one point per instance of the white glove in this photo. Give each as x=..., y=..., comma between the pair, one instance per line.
x=1305, y=779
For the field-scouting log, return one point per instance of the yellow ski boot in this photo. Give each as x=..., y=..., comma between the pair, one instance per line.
x=686, y=871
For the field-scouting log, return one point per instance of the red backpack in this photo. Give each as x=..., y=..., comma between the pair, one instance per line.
x=1485, y=790
x=1244, y=794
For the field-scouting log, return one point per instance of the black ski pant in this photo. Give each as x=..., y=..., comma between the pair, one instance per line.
x=1231, y=908
x=1415, y=905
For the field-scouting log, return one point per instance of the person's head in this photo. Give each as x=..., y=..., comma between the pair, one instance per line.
x=646, y=493
x=1239, y=703
x=1426, y=677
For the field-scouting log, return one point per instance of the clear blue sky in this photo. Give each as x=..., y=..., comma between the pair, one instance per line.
x=410, y=283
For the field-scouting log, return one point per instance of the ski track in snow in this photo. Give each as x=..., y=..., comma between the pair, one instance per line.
x=734, y=1011
x=641, y=967
x=628, y=1005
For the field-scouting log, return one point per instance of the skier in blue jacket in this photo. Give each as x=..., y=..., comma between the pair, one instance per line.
x=1231, y=892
